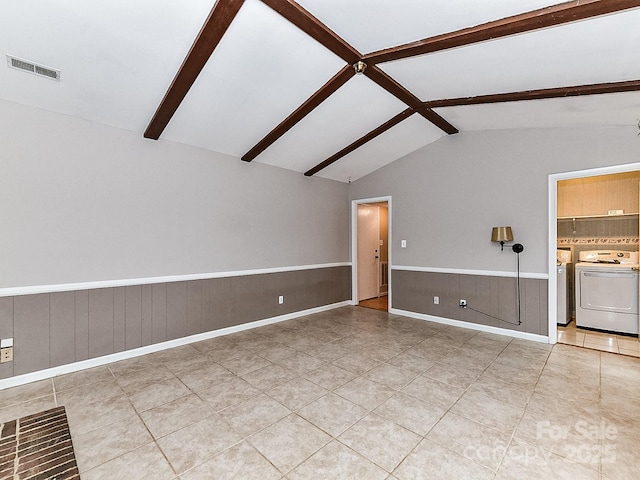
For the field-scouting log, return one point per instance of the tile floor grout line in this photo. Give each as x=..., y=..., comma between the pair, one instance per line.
x=207, y=458
x=571, y=327
x=377, y=341
x=55, y=397
x=474, y=421
x=524, y=411
x=124, y=453
x=154, y=440
x=600, y=469
x=248, y=440
x=388, y=472
x=293, y=412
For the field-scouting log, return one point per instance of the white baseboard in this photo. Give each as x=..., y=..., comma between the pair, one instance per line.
x=472, y=326
x=157, y=347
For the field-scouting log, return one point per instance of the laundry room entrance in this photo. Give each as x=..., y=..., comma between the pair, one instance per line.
x=597, y=240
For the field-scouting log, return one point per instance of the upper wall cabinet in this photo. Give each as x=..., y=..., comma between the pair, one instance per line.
x=593, y=196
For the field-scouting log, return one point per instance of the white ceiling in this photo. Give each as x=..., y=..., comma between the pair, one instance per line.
x=118, y=58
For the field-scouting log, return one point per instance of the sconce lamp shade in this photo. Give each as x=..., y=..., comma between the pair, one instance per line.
x=501, y=234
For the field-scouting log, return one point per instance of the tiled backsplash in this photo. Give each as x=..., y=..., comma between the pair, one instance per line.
x=619, y=243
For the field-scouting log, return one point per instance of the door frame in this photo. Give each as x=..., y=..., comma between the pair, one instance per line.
x=553, y=232
x=371, y=230
x=354, y=245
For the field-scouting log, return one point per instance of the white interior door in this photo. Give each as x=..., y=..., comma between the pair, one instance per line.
x=368, y=253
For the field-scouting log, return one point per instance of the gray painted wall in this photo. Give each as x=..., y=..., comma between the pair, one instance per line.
x=59, y=328
x=86, y=202
x=448, y=195
x=492, y=300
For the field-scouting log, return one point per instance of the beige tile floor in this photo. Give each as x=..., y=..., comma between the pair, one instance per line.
x=606, y=342
x=352, y=393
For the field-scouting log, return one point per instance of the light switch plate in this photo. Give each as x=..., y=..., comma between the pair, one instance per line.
x=6, y=343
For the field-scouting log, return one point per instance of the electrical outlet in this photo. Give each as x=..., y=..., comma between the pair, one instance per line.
x=463, y=303
x=6, y=355
x=280, y=299
x=436, y=300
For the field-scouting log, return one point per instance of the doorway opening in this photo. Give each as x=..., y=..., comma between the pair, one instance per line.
x=371, y=254
x=590, y=210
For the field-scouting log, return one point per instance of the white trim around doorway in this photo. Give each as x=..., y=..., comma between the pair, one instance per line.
x=354, y=246
x=553, y=232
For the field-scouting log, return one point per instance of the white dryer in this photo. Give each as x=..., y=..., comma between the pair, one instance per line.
x=606, y=284
x=563, y=287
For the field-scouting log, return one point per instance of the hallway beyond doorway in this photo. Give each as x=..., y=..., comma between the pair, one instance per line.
x=377, y=303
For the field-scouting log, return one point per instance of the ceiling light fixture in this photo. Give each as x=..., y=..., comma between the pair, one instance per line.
x=359, y=67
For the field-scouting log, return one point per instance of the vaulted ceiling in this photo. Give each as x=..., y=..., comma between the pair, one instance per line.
x=272, y=81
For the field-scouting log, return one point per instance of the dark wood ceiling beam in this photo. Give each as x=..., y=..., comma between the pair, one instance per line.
x=540, y=94
x=214, y=28
x=302, y=111
x=313, y=27
x=310, y=25
x=525, y=22
x=404, y=95
x=361, y=141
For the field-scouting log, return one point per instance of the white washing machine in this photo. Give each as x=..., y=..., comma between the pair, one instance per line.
x=607, y=290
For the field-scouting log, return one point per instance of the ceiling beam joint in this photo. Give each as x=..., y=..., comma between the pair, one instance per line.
x=337, y=81
x=394, y=88
x=361, y=141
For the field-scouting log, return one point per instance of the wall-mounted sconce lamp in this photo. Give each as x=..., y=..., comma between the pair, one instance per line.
x=503, y=235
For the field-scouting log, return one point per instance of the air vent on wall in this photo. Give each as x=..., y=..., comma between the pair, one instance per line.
x=32, y=67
